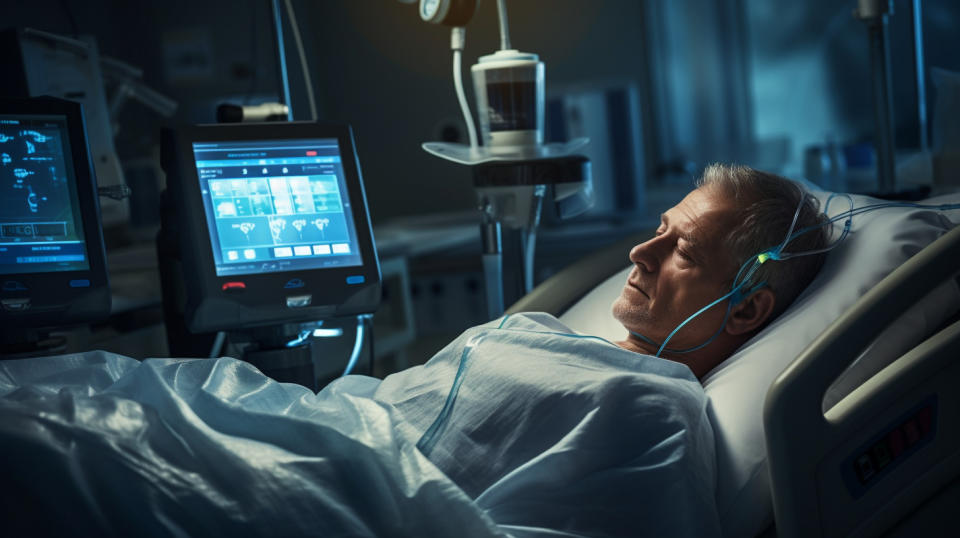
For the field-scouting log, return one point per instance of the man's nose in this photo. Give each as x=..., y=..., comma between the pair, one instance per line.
x=645, y=256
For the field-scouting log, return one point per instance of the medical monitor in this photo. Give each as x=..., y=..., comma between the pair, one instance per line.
x=273, y=224
x=52, y=268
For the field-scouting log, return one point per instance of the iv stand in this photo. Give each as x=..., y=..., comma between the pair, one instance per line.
x=874, y=13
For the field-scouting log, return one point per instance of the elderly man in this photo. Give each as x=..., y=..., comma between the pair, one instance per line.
x=552, y=431
x=735, y=213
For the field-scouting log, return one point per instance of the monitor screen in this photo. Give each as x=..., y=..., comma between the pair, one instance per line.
x=276, y=205
x=40, y=226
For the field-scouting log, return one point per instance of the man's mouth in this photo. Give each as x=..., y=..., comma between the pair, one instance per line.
x=638, y=288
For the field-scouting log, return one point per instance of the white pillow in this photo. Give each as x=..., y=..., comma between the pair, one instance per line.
x=879, y=242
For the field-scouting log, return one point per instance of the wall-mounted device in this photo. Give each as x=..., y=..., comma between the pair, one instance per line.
x=52, y=265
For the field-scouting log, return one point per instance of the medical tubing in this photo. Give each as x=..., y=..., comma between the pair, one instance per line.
x=736, y=288
x=661, y=349
x=848, y=217
x=430, y=437
x=504, y=26
x=493, y=281
x=831, y=246
x=738, y=284
x=457, y=40
x=217, y=345
x=793, y=224
x=527, y=245
x=778, y=254
x=850, y=213
x=530, y=237
x=303, y=59
x=357, y=345
x=301, y=338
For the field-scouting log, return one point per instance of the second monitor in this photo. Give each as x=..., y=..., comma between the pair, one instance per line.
x=272, y=222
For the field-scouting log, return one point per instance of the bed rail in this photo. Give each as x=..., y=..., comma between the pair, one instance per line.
x=892, y=443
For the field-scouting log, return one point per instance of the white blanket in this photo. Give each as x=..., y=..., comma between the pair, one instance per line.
x=554, y=432
x=548, y=432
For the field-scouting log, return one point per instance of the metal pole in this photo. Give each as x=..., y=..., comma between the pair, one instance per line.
x=492, y=264
x=281, y=56
x=874, y=13
x=921, y=74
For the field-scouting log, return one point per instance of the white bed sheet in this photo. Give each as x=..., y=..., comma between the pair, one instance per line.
x=171, y=447
x=550, y=434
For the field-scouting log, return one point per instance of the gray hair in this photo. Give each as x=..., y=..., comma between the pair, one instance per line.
x=765, y=205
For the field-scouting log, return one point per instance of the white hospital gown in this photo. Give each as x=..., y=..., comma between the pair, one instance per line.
x=554, y=433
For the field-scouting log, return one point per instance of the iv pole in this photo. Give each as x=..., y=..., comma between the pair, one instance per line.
x=874, y=13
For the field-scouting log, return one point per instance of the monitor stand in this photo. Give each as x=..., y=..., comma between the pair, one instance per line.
x=272, y=351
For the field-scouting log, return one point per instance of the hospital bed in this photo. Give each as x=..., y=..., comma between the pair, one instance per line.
x=836, y=419
x=791, y=421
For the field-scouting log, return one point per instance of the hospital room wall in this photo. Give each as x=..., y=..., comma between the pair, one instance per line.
x=810, y=76
x=717, y=79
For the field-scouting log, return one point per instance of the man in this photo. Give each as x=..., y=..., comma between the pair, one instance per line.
x=735, y=214
x=550, y=431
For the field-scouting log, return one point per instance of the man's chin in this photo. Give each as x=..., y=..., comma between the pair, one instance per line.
x=632, y=318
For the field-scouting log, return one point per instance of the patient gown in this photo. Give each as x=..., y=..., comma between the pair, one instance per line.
x=517, y=428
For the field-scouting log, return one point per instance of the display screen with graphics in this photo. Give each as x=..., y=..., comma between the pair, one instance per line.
x=276, y=205
x=40, y=226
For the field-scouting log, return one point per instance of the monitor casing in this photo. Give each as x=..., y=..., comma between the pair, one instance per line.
x=54, y=299
x=208, y=304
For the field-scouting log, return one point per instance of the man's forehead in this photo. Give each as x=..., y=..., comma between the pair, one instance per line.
x=701, y=216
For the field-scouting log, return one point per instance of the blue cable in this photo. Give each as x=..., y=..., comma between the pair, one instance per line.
x=357, y=345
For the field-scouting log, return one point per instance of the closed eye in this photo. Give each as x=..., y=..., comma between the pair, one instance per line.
x=686, y=256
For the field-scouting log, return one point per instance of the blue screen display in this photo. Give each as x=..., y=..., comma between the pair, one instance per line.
x=276, y=205
x=40, y=226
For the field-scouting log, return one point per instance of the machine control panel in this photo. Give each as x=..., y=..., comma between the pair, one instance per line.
x=891, y=447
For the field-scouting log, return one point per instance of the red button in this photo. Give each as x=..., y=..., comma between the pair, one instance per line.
x=233, y=286
x=311, y=153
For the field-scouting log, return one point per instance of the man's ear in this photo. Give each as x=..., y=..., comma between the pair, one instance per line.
x=752, y=312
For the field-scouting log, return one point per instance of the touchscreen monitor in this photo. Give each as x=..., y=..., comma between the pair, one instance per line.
x=40, y=226
x=276, y=205
x=265, y=223
x=52, y=264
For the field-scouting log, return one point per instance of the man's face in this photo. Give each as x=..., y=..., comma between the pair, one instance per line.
x=681, y=269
